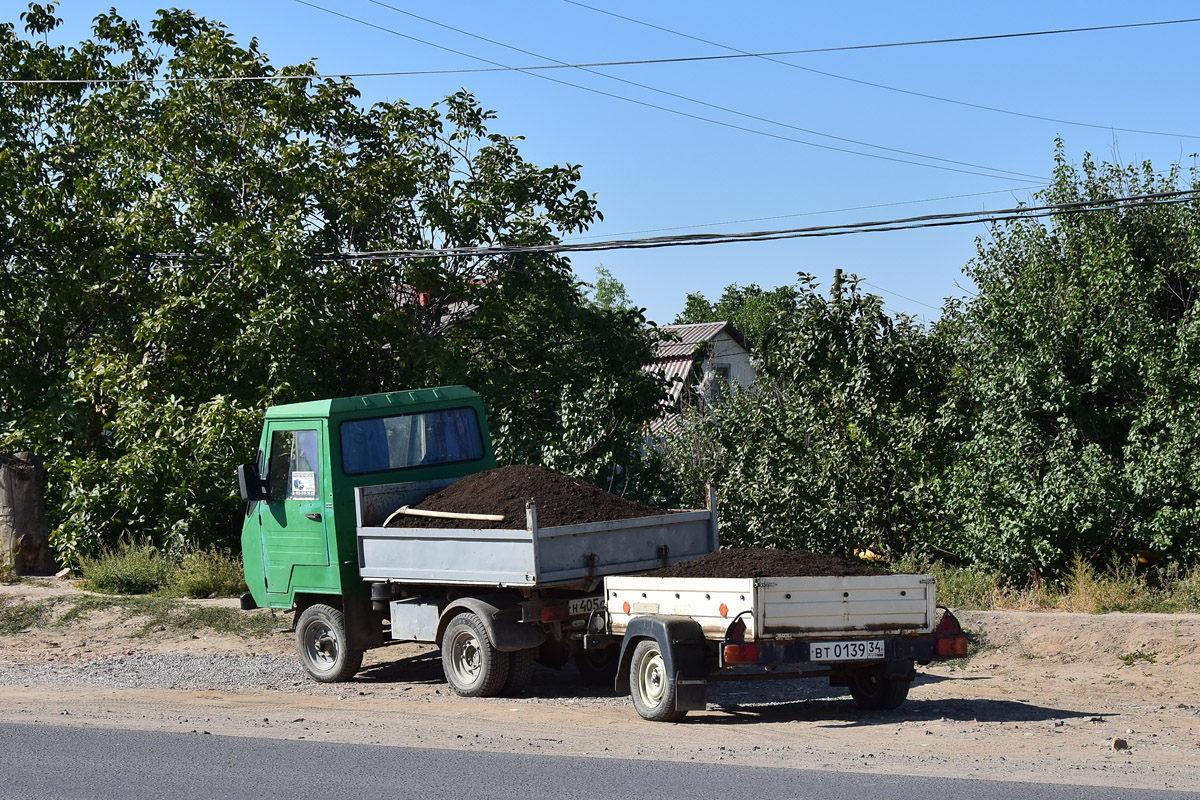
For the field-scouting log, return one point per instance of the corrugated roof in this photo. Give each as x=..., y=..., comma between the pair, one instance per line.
x=672, y=368
x=692, y=335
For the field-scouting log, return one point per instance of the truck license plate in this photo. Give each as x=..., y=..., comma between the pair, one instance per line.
x=585, y=605
x=869, y=650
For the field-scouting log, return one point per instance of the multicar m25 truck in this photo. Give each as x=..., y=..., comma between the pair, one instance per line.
x=330, y=473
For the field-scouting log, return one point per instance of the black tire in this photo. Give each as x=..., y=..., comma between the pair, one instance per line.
x=652, y=689
x=874, y=691
x=321, y=645
x=520, y=670
x=473, y=666
x=598, y=667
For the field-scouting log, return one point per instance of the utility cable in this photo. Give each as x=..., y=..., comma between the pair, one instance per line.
x=806, y=213
x=656, y=106
x=906, y=223
x=706, y=104
x=925, y=95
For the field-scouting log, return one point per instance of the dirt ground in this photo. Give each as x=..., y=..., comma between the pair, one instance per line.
x=1041, y=702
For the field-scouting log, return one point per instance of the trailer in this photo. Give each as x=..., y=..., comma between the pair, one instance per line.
x=315, y=541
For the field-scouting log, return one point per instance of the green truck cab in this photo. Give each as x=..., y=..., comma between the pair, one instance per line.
x=298, y=538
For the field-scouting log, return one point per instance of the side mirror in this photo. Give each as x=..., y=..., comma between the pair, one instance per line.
x=250, y=483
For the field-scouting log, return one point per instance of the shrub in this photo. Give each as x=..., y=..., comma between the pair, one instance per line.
x=130, y=569
x=204, y=573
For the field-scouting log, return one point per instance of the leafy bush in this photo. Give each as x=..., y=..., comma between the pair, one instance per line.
x=129, y=569
x=204, y=573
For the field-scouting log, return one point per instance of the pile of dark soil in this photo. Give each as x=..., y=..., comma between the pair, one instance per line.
x=759, y=562
x=560, y=499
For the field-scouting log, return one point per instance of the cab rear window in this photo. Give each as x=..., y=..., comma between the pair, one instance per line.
x=421, y=439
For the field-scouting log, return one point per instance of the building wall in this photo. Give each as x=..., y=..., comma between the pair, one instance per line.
x=725, y=352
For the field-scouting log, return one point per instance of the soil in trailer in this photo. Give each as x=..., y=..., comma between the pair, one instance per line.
x=560, y=499
x=760, y=562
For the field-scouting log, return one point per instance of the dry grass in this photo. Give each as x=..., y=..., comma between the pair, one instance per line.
x=1122, y=587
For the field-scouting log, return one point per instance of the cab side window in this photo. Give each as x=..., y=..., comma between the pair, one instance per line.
x=294, y=470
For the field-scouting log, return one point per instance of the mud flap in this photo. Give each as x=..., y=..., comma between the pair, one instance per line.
x=684, y=652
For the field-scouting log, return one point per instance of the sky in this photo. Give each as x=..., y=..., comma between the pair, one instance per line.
x=731, y=145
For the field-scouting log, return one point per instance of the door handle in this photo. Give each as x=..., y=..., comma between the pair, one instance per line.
x=315, y=516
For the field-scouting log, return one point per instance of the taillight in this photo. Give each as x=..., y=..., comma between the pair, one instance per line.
x=950, y=641
x=741, y=654
x=950, y=646
x=554, y=613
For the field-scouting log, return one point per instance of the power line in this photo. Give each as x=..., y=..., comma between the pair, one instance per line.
x=806, y=213
x=706, y=104
x=877, y=226
x=980, y=106
x=916, y=42
x=656, y=106
x=906, y=223
x=897, y=294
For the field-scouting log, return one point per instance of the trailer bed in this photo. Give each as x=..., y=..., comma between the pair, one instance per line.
x=780, y=608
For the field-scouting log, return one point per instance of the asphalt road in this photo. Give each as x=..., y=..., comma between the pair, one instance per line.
x=96, y=764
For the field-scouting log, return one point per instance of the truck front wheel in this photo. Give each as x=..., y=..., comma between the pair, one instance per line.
x=473, y=666
x=321, y=645
x=872, y=689
x=652, y=688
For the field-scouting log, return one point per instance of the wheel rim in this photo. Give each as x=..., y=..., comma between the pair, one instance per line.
x=321, y=646
x=465, y=657
x=652, y=678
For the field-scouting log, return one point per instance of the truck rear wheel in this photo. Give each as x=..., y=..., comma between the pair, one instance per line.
x=872, y=689
x=473, y=666
x=321, y=644
x=652, y=688
x=520, y=670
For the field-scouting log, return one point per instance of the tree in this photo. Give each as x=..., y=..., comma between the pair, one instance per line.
x=1078, y=380
x=831, y=449
x=756, y=312
x=609, y=293
x=176, y=256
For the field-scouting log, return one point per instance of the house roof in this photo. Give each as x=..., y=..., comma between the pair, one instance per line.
x=692, y=335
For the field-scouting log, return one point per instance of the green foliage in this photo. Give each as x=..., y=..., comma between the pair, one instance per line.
x=1077, y=380
x=204, y=573
x=166, y=274
x=757, y=313
x=1131, y=658
x=608, y=292
x=829, y=451
x=128, y=569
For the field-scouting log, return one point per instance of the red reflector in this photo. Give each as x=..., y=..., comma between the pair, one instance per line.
x=724, y=609
x=948, y=625
x=741, y=653
x=951, y=646
x=625, y=607
x=553, y=613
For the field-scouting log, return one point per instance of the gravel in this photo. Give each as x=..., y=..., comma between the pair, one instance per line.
x=167, y=671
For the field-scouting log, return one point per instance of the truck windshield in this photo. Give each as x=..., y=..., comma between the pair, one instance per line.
x=410, y=440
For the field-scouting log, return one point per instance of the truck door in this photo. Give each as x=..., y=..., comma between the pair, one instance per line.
x=293, y=520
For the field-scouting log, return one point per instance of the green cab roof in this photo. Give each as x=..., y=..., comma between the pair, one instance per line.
x=371, y=402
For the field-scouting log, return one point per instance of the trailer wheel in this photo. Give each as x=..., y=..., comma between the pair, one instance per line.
x=520, y=670
x=652, y=689
x=321, y=645
x=473, y=666
x=599, y=667
x=874, y=691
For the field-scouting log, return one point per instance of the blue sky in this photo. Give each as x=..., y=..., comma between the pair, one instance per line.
x=662, y=172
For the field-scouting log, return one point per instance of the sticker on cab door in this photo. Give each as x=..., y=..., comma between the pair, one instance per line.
x=304, y=486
